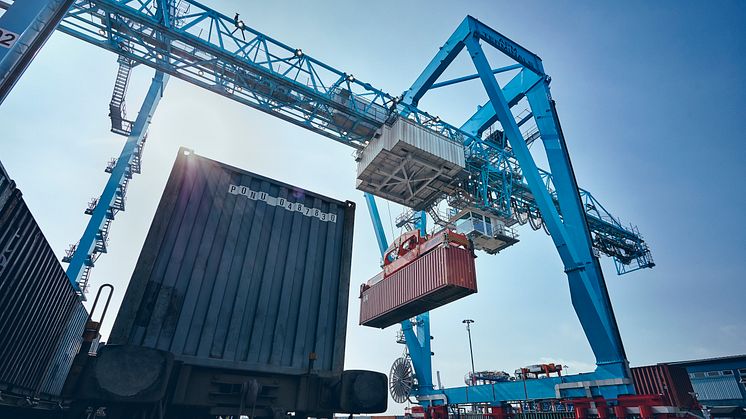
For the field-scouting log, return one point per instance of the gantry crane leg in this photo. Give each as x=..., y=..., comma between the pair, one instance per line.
x=570, y=232
x=417, y=331
x=93, y=242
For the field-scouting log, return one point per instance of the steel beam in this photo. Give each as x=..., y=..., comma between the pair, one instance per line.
x=86, y=247
x=522, y=153
x=419, y=348
x=437, y=65
x=375, y=218
x=589, y=293
x=569, y=233
x=24, y=28
x=507, y=46
x=473, y=76
x=513, y=91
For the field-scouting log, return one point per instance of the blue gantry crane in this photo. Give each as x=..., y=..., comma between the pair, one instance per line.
x=493, y=180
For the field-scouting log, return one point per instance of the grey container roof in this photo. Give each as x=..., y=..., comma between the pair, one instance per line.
x=240, y=271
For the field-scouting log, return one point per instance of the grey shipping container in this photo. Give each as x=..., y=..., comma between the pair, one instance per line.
x=241, y=272
x=68, y=346
x=41, y=316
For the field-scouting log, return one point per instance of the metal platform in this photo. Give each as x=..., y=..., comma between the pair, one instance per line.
x=487, y=232
x=410, y=165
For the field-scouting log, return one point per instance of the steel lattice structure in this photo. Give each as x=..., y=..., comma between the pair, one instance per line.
x=190, y=41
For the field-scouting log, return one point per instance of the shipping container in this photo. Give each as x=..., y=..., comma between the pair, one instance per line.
x=68, y=346
x=440, y=276
x=241, y=272
x=41, y=316
x=671, y=382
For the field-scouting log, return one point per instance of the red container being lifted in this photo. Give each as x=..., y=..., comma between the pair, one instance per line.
x=433, y=273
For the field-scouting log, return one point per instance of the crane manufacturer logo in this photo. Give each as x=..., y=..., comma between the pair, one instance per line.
x=282, y=202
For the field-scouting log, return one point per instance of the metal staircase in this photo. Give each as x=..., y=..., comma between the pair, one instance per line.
x=116, y=205
x=117, y=109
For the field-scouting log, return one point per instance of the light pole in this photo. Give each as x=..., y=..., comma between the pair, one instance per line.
x=468, y=322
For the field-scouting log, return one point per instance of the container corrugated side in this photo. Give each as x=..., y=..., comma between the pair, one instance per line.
x=67, y=347
x=36, y=301
x=671, y=382
x=440, y=276
x=243, y=272
x=427, y=140
x=421, y=138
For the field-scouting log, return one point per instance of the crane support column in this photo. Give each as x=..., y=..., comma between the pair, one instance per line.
x=377, y=224
x=24, y=28
x=569, y=233
x=591, y=294
x=418, y=344
x=93, y=241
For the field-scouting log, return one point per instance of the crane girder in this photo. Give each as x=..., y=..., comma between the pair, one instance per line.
x=190, y=41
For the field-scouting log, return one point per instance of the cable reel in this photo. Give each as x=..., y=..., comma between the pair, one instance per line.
x=401, y=379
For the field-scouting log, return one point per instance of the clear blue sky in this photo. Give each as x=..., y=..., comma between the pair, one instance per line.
x=652, y=98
